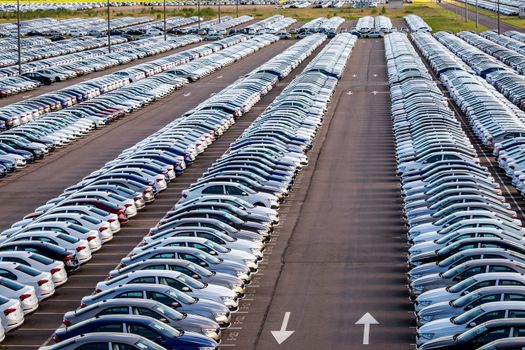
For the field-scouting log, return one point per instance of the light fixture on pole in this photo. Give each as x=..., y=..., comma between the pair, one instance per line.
x=18, y=37
x=219, y=11
x=109, y=28
x=477, y=17
x=237, y=8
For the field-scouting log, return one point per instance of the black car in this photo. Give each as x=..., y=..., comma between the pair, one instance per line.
x=49, y=250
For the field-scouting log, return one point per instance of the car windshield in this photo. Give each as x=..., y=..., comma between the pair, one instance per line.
x=458, y=287
x=190, y=281
x=164, y=329
x=450, y=260
x=468, y=316
x=79, y=228
x=168, y=312
x=471, y=334
x=182, y=297
x=465, y=300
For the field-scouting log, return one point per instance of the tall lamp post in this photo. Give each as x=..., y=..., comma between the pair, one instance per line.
x=237, y=8
x=109, y=29
x=18, y=37
x=199, y=12
x=466, y=10
x=219, y=11
x=477, y=17
x=165, y=30
x=499, y=29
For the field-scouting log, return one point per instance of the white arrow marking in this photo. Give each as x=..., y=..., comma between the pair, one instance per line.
x=375, y=75
x=187, y=94
x=213, y=93
x=354, y=75
x=219, y=77
x=349, y=93
x=374, y=92
x=366, y=320
x=281, y=335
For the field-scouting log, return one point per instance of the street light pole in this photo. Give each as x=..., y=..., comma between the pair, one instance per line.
x=499, y=29
x=199, y=12
x=18, y=37
x=109, y=29
x=466, y=10
x=237, y=8
x=219, y=11
x=477, y=18
x=165, y=31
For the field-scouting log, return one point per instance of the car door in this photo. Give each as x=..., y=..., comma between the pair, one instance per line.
x=144, y=332
x=115, y=310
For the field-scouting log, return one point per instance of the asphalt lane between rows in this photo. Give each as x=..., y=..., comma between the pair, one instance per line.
x=23, y=191
x=39, y=326
x=340, y=249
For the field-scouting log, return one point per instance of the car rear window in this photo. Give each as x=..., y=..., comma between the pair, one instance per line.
x=11, y=284
x=41, y=259
x=28, y=270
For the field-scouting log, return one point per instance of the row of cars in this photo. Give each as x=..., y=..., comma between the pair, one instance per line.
x=52, y=70
x=370, y=27
x=417, y=24
x=328, y=26
x=202, y=269
x=102, y=100
x=502, y=77
x=466, y=249
x=505, y=7
x=504, y=40
x=75, y=224
x=208, y=246
x=71, y=26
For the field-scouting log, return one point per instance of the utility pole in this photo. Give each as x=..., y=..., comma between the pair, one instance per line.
x=109, y=29
x=219, y=11
x=237, y=8
x=165, y=30
x=466, y=10
x=18, y=37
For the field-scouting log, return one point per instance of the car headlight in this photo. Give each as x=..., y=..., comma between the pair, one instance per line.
x=255, y=251
x=227, y=299
x=426, y=336
x=210, y=332
x=426, y=318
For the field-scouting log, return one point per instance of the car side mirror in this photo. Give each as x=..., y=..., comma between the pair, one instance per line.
x=196, y=276
x=203, y=264
x=185, y=289
x=244, y=194
x=472, y=324
x=175, y=304
x=213, y=252
x=164, y=320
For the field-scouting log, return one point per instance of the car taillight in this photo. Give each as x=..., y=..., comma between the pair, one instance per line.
x=56, y=339
x=24, y=296
x=98, y=290
x=184, y=195
x=55, y=270
x=159, y=180
x=100, y=229
x=9, y=310
x=80, y=248
x=111, y=220
x=137, y=198
x=67, y=258
x=41, y=282
x=127, y=205
x=67, y=323
x=121, y=265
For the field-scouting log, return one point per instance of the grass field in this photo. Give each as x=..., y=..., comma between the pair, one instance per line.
x=437, y=17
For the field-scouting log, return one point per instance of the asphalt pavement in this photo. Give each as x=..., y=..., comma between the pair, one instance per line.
x=340, y=249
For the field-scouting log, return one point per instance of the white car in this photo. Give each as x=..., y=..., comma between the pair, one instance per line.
x=15, y=290
x=233, y=189
x=42, y=281
x=39, y=262
x=11, y=313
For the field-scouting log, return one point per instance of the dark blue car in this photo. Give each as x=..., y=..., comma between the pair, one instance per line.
x=145, y=326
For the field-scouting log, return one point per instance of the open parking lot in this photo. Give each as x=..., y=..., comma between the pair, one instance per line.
x=265, y=183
